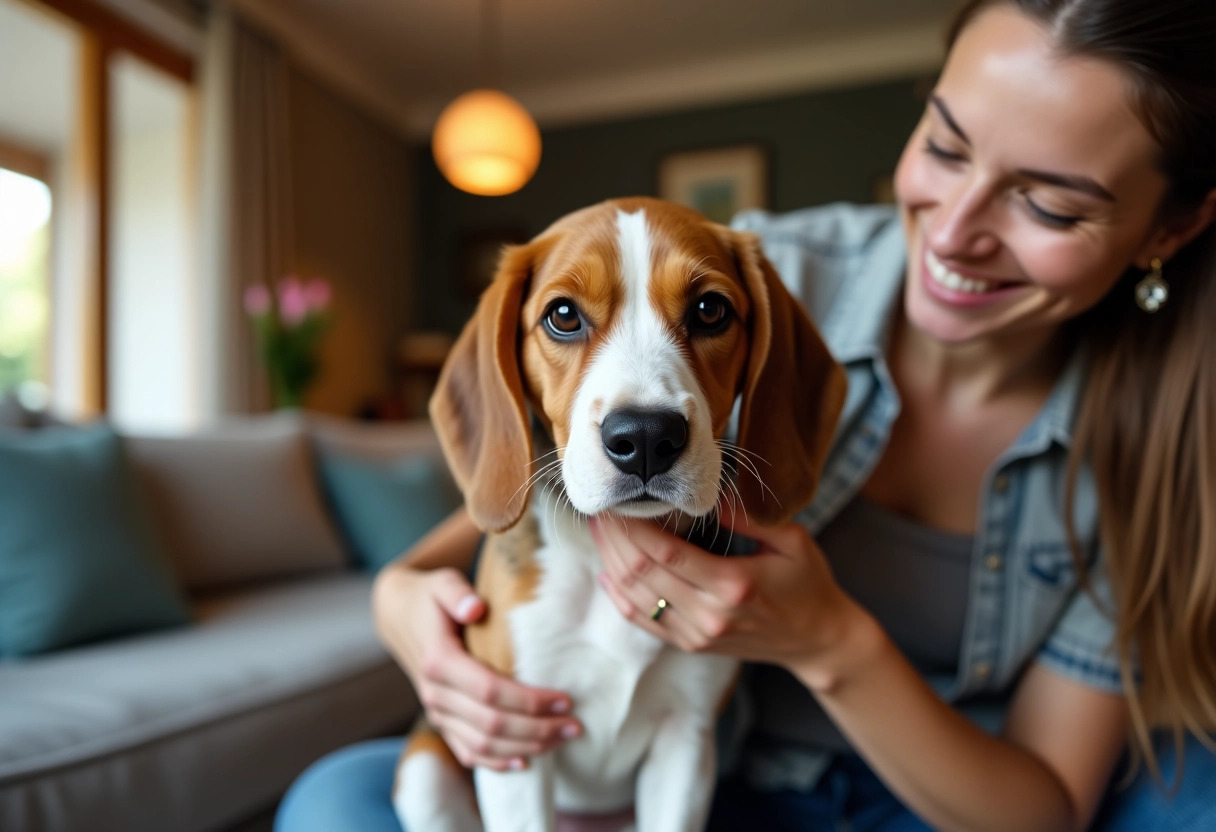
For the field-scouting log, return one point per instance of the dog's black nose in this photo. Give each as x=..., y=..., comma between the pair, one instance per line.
x=644, y=442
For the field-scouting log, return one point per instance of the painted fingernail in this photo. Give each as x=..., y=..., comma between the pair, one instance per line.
x=517, y=764
x=465, y=608
x=560, y=706
x=570, y=731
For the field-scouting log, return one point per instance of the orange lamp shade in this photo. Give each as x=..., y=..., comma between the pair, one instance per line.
x=486, y=143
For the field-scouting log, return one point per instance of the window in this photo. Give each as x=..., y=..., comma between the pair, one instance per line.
x=94, y=238
x=150, y=375
x=25, y=237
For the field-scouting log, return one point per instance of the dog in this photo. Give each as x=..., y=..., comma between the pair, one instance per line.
x=615, y=344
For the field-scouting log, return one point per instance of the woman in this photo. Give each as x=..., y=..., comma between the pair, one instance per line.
x=1019, y=516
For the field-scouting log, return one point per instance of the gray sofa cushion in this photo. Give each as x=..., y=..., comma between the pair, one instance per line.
x=238, y=502
x=191, y=729
x=373, y=441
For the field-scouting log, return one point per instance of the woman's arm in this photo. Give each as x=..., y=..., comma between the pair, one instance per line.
x=1047, y=771
x=420, y=602
x=782, y=606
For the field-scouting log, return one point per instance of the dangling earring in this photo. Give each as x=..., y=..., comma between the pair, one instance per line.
x=1152, y=291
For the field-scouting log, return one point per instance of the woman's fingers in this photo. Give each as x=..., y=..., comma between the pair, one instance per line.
x=493, y=734
x=490, y=717
x=458, y=670
x=495, y=722
x=674, y=624
x=641, y=552
x=474, y=749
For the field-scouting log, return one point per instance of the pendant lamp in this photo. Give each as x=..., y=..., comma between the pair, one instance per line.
x=485, y=142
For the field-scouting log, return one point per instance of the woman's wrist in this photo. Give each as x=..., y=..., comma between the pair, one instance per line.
x=853, y=642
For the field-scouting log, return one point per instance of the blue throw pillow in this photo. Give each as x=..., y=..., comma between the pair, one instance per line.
x=384, y=507
x=78, y=560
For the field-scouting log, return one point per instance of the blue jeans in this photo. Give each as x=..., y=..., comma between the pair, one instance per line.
x=349, y=790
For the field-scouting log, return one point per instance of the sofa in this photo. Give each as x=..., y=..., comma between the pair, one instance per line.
x=184, y=689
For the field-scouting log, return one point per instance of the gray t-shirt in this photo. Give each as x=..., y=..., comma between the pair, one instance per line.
x=913, y=579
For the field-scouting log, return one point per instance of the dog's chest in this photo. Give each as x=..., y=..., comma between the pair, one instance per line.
x=622, y=680
x=570, y=636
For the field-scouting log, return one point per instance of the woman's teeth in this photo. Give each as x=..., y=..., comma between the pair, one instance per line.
x=951, y=280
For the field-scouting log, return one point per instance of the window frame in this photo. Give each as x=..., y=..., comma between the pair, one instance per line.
x=104, y=33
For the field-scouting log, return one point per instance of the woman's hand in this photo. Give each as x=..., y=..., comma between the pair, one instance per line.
x=780, y=605
x=487, y=719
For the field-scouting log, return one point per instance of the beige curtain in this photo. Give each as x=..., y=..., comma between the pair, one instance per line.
x=245, y=188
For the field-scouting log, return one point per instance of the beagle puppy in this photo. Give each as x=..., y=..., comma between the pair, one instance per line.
x=598, y=377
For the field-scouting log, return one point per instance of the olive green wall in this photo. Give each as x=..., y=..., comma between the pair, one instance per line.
x=822, y=146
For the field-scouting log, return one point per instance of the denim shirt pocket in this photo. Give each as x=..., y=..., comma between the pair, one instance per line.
x=1049, y=566
x=1046, y=581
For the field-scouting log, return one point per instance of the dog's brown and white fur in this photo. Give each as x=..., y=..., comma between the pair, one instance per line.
x=626, y=331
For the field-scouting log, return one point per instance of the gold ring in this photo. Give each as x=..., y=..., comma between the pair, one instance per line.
x=657, y=612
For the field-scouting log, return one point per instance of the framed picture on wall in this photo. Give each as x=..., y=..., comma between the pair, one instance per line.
x=718, y=182
x=478, y=255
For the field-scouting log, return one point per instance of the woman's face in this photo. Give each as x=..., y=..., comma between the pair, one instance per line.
x=1027, y=189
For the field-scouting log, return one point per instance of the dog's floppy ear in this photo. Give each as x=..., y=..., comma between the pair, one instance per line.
x=478, y=405
x=792, y=394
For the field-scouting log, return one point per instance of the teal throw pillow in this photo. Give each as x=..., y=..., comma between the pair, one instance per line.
x=384, y=507
x=78, y=559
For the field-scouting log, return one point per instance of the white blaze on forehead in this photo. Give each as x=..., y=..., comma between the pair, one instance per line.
x=640, y=363
x=634, y=242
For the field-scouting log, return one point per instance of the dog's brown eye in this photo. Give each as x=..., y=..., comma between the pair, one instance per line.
x=563, y=320
x=710, y=314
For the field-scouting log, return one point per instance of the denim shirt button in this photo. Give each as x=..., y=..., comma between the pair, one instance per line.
x=993, y=563
x=981, y=670
x=1001, y=483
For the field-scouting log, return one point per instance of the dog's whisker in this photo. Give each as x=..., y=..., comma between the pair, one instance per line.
x=734, y=452
x=536, y=475
x=547, y=453
x=547, y=472
x=551, y=502
x=713, y=515
x=742, y=450
x=737, y=454
x=735, y=501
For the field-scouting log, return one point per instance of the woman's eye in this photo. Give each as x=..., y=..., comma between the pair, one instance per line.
x=1050, y=219
x=710, y=314
x=563, y=320
x=939, y=152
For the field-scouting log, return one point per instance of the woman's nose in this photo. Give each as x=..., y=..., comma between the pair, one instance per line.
x=962, y=227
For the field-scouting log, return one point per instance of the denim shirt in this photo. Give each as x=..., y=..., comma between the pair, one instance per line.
x=847, y=265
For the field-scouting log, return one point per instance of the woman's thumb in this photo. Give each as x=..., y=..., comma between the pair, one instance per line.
x=457, y=597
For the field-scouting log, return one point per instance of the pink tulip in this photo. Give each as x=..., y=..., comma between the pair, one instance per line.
x=288, y=285
x=318, y=294
x=257, y=300
x=293, y=302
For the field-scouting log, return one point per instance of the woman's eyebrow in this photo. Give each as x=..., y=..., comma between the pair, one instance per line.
x=1066, y=180
x=1075, y=182
x=944, y=112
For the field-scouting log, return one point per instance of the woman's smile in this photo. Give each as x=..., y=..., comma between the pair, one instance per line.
x=953, y=288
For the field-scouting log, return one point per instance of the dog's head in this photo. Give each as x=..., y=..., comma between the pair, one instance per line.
x=629, y=329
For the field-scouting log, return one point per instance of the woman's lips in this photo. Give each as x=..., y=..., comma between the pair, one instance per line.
x=954, y=289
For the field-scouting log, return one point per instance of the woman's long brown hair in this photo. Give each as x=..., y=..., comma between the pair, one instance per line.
x=1146, y=427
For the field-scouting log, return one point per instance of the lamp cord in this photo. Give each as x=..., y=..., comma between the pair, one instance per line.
x=489, y=44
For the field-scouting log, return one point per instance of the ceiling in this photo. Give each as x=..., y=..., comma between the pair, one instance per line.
x=568, y=61
x=574, y=61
